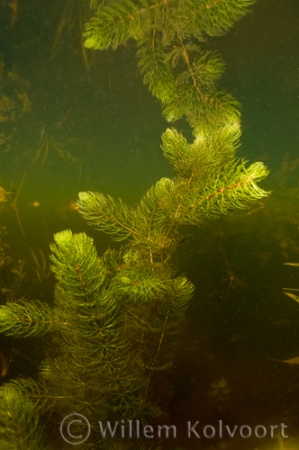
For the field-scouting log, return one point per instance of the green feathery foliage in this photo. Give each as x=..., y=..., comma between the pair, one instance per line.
x=20, y=427
x=208, y=181
x=115, y=318
x=26, y=318
x=170, y=36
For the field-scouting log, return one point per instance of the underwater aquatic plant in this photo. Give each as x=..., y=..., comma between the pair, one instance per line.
x=115, y=318
x=49, y=142
x=170, y=38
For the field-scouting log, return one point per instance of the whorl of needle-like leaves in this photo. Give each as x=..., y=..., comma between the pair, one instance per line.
x=79, y=277
x=20, y=426
x=27, y=319
x=157, y=321
x=171, y=59
x=94, y=349
x=91, y=348
x=113, y=24
x=116, y=217
x=208, y=181
x=142, y=284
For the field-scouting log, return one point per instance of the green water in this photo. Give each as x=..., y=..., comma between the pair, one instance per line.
x=100, y=117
